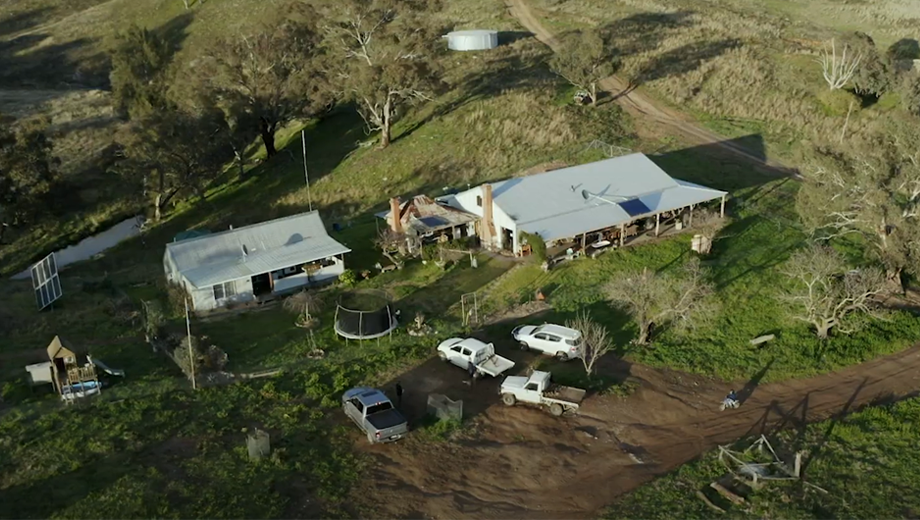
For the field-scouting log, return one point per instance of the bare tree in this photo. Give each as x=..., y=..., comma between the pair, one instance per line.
x=838, y=70
x=584, y=61
x=654, y=299
x=595, y=343
x=827, y=294
x=872, y=190
x=391, y=242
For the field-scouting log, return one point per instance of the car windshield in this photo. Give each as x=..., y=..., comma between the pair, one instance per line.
x=573, y=342
x=379, y=407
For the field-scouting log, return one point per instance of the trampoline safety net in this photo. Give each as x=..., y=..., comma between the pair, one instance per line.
x=364, y=324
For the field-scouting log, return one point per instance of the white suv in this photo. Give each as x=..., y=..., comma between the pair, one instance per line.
x=555, y=340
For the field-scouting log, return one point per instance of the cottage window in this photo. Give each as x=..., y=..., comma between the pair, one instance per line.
x=479, y=200
x=224, y=290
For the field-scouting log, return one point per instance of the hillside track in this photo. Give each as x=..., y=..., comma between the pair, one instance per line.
x=647, y=110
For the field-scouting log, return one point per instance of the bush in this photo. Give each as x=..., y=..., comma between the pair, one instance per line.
x=536, y=243
x=911, y=95
x=348, y=278
x=838, y=102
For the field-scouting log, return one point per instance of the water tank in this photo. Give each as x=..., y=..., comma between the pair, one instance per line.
x=474, y=40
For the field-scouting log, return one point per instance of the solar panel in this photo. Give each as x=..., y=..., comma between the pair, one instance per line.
x=634, y=207
x=45, y=282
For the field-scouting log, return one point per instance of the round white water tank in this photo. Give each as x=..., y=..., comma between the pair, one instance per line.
x=475, y=40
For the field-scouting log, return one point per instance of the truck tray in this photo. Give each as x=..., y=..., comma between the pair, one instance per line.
x=566, y=393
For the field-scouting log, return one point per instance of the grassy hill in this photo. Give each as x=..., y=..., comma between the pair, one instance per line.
x=151, y=447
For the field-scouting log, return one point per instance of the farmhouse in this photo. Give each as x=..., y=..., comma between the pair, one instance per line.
x=597, y=203
x=423, y=220
x=256, y=262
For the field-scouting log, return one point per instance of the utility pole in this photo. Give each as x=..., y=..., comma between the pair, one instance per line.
x=303, y=138
x=191, y=358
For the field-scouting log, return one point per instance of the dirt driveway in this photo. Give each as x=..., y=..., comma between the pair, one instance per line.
x=521, y=462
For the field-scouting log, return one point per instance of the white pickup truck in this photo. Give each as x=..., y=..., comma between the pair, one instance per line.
x=538, y=389
x=462, y=352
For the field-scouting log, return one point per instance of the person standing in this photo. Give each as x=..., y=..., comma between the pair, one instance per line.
x=399, y=394
x=471, y=368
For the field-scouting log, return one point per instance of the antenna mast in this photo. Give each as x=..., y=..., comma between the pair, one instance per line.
x=303, y=138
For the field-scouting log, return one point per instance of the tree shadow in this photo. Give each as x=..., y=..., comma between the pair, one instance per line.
x=69, y=65
x=509, y=37
x=22, y=21
x=815, y=453
x=682, y=60
x=505, y=71
x=716, y=166
x=643, y=32
x=42, y=498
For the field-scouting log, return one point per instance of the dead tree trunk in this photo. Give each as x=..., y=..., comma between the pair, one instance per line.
x=267, y=131
x=385, y=127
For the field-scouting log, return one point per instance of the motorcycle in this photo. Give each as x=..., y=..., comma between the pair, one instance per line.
x=729, y=403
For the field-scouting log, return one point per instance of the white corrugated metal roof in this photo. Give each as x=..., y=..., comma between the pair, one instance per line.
x=552, y=205
x=212, y=259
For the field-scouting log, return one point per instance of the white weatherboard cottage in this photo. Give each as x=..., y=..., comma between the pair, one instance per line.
x=572, y=202
x=257, y=261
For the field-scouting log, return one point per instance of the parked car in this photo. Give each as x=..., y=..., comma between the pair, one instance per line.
x=555, y=340
x=373, y=412
x=539, y=389
x=462, y=352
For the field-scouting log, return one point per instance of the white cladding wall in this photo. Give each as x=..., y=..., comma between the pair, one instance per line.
x=466, y=201
x=324, y=275
x=472, y=40
x=203, y=299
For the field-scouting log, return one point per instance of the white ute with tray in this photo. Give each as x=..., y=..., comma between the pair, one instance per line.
x=462, y=352
x=539, y=389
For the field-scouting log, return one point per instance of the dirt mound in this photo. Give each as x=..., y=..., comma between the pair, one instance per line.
x=522, y=462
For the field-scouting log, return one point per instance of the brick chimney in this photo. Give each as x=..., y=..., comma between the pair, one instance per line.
x=395, y=222
x=487, y=227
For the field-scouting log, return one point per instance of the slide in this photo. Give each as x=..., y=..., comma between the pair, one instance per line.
x=105, y=368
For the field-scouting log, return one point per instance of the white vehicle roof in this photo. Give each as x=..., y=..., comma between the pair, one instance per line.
x=471, y=343
x=539, y=376
x=559, y=330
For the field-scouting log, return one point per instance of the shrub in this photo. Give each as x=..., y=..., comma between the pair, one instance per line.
x=536, y=243
x=838, y=102
x=348, y=278
x=911, y=95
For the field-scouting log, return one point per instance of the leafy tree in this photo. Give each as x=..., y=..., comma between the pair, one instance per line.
x=829, y=295
x=654, y=299
x=28, y=172
x=174, y=153
x=873, y=75
x=387, y=58
x=272, y=76
x=139, y=69
x=585, y=59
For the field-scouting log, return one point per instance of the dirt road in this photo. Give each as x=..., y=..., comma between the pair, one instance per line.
x=646, y=109
x=521, y=462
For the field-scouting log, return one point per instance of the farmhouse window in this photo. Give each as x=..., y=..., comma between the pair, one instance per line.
x=224, y=290
x=479, y=200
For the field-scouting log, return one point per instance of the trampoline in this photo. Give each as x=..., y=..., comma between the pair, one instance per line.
x=357, y=323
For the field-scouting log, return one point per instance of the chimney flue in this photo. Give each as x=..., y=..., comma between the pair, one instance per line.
x=395, y=222
x=487, y=231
